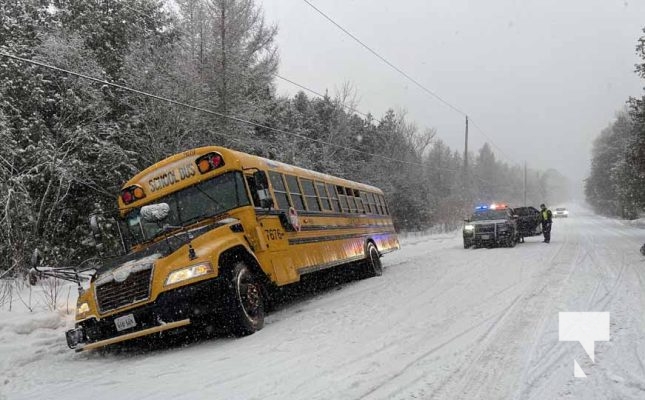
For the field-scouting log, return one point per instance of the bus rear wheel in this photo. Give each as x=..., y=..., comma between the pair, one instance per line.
x=372, y=265
x=246, y=311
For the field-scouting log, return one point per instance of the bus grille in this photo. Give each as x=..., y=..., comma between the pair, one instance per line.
x=112, y=295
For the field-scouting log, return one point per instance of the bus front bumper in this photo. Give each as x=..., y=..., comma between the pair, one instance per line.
x=172, y=309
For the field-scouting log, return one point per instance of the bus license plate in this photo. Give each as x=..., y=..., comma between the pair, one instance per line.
x=125, y=322
x=485, y=237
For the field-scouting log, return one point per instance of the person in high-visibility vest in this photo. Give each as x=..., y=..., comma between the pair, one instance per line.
x=546, y=218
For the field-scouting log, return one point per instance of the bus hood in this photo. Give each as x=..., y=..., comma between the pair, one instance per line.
x=160, y=249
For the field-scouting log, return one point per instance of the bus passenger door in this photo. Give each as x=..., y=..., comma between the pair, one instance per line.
x=270, y=234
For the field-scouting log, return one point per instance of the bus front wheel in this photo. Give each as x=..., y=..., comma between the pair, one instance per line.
x=372, y=265
x=246, y=311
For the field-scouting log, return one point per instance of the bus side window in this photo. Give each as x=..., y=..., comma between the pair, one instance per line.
x=324, y=197
x=382, y=200
x=366, y=203
x=372, y=203
x=310, y=195
x=359, y=202
x=350, y=200
x=377, y=203
x=333, y=197
x=294, y=191
x=342, y=198
x=279, y=191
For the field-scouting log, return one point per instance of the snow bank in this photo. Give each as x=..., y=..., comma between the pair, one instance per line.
x=31, y=323
x=636, y=223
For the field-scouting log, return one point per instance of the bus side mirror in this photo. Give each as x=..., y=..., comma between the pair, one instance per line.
x=262, y=186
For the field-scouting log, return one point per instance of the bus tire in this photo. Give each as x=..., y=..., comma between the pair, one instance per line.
x=246, y=309
x=372, y=265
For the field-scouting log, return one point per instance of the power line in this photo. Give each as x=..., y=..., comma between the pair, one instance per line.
x=403, y=73
x=492, y=142
x=368, y=48
x=204, y=110
x=237, y=119
x=349, y=108
x=301, y=86
x=352, y=109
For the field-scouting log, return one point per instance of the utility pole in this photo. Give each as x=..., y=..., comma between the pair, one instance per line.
x=466, y=182
x=466, y=150
x=524, y=183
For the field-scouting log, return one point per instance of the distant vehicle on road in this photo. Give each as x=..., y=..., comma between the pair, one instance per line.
x=561, y=212
x=528, y=221
x=492, y=225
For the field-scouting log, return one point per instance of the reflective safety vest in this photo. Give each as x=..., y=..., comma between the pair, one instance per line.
x=545, y=215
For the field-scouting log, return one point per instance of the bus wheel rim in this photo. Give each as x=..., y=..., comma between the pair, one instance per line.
x=249, y=295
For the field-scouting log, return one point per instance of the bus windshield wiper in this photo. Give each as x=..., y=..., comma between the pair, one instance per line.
x=194, y=219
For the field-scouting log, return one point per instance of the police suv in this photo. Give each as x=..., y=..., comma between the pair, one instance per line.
x=493, y=225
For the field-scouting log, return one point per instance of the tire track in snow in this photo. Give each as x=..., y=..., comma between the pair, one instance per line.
x=481, y=343
x=424, y=302
x=601, y=265
x=496, y=321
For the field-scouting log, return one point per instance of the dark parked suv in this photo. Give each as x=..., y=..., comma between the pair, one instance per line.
x=492, y=226
x=528, y=221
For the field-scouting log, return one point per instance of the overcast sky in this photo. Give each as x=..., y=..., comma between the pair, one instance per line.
x=540, y=77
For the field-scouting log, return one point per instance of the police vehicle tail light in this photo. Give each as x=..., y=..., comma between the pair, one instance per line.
x=132, y=194
x=209, y=162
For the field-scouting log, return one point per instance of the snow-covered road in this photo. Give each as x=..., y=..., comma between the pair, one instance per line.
x=441, y=323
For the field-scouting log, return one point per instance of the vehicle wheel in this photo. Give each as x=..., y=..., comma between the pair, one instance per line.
x=372, y=265
x=246, y=309
x=511, y=242
x=467, y=244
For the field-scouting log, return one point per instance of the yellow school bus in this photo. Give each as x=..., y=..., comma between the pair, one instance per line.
x=209, y=232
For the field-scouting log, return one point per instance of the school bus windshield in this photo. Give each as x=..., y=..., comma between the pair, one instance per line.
x=206, y=199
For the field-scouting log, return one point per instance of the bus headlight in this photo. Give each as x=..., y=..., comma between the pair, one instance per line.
x=82, y=309
x=469, y=228
x=193, y=271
